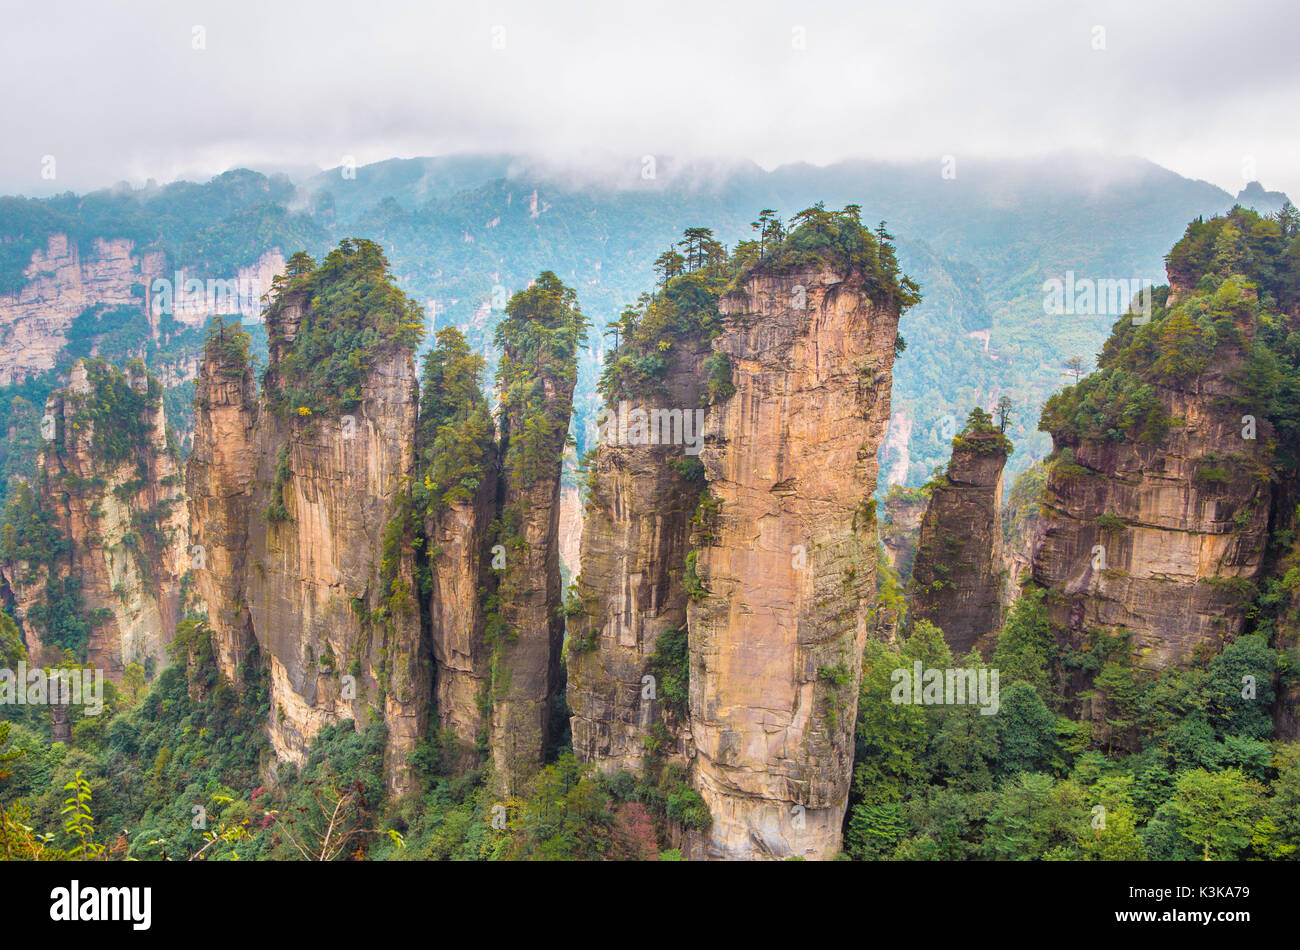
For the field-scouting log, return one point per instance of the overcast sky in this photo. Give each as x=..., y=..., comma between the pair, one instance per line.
x=119, y=90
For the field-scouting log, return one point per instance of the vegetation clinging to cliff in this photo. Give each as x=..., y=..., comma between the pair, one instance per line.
x=455, y=433
x=29, y=533
x=1239, y=272
x=29, y=537
x=981, y=436
x=539, y=339
x=226, y=346
x=683, y=309
x=277, y=511
x=671, y=663
x=696, y=272
x=352, y=314
x=116, y=410
x=840, y=241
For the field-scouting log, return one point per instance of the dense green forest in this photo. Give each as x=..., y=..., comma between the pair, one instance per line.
x=1185, y=768
x=1188, y=771
x=168, y=775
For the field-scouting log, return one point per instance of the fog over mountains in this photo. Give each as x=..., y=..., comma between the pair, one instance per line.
x=981, y=236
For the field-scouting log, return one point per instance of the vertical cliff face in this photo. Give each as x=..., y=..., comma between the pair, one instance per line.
x=764, y=546
x=459, y=572
x=330, y=584
x=457, y=490
x=786, y=558
x=219, y=481
x=536, y=376
x=957, y=578
x=634, y=546
x=110, y=486
x=526, y=643
x=1161, y=531
x=64, y=279
x=61, y=283
x=328, y=579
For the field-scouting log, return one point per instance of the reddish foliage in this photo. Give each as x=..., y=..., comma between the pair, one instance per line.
x=634, y=836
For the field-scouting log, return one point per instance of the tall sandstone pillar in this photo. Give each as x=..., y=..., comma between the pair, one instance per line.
x=787, y=562
x=110, y=484
x=219, y=482
x=634, y=546
x=536, y=376
x=1158, y=536
x=327, y=580
x=957, y=576
x=459, y=570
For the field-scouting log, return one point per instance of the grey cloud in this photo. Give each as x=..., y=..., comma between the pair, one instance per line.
x=118, y=91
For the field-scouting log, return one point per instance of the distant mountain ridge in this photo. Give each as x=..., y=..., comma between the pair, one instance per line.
x=465, y=231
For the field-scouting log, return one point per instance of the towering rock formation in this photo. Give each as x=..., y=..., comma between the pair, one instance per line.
x=460, y=572
x=329, y=576
x=458, y=491
x=1157, y=501
x=219, y=480
x=536, y=376
x=766, y=547
x=787, y=557
x=110, y=488
x=957, y=577
x=635, y=541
